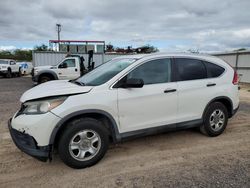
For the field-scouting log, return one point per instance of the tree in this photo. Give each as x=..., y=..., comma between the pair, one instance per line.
x=147, y=49
x=24, y=55
x=109, y=48
x=41, y=47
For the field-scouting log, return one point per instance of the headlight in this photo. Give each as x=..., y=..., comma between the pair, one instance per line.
x=41, y=107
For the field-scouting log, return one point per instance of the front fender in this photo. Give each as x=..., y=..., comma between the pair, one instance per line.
x=114, y=127
x=51, y=72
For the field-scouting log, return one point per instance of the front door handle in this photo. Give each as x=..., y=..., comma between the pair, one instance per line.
x=76, y=70
x=170, y=90
x=211, y=84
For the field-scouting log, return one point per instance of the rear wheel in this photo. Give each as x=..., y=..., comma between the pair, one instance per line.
x=83, y=143
x=215, y=119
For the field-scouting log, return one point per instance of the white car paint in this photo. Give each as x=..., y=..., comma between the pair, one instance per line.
x=54, y=88
x=6, y=64
x=132, y=108
x=68, y=73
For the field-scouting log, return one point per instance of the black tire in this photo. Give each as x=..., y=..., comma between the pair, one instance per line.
x=9, y=74
x=19, y=74
x=44, y=79
x=210, y=128
x=72, y=129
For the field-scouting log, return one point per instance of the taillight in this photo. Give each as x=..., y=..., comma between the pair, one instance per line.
x=236, y=78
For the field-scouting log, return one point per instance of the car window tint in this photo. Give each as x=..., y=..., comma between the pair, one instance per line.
x=153, y=72
x=213, y=70
x=190, y=69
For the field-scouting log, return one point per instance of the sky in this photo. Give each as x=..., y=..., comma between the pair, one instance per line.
x=170, y=25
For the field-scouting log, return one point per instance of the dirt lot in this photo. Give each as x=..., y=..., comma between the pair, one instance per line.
x=176, y=159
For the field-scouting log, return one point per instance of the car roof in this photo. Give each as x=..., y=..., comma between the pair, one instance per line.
x=175, y=54
x=7, y=59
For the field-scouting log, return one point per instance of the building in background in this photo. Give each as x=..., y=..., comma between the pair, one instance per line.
x=77, y=46
x=240, y=60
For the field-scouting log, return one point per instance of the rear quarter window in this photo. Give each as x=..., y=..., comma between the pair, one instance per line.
x=213, y=70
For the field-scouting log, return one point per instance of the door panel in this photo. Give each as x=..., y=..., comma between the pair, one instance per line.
x=195, y=89
x=155, y=104
x=147, y=107
x=70, y=72
x=193, y=96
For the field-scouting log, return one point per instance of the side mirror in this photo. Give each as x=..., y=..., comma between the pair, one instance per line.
x=134, y=83
x=63, y=65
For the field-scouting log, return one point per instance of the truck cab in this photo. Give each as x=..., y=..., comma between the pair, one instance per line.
x=69, y=68
x=9, y=68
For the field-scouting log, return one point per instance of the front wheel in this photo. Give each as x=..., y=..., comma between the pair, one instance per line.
x=83, y=143
x=44, y=79
x=215, y=119
x=9, y=74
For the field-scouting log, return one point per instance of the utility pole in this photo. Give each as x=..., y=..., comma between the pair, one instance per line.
x=58, y=29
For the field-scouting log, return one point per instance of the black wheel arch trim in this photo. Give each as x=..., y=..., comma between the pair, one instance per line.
x=114, y=127
x=230, y=113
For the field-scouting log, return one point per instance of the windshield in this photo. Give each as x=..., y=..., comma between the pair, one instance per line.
x=105, y=72
x=4, y=62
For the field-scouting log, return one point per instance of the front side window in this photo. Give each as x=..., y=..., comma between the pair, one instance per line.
x=153, y=72
x=67, y=63
x=190, y=69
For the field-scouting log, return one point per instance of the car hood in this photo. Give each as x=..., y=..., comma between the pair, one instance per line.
x=54, y=88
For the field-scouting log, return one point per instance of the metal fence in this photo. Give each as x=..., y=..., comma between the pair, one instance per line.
x=53, y=58
x=239, y=60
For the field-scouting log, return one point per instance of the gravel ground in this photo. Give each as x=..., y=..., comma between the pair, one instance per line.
x=176, y=159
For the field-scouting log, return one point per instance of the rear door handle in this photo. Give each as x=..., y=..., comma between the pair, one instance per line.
x=170, y=90
x=76, y=70
x=211, y=84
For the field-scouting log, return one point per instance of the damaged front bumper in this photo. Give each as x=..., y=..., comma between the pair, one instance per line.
x=28, y=145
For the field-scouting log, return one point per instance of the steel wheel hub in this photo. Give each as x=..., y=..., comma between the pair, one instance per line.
x=84, y=145
x=217, y=119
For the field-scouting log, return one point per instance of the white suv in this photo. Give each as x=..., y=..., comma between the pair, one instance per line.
x=124, y=98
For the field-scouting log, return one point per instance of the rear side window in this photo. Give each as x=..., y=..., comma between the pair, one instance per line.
x=153, y=72
x=190, y=69
x=213, y=70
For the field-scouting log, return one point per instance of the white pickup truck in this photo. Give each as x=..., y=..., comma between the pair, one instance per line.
x=68, y=69
x=9, y=68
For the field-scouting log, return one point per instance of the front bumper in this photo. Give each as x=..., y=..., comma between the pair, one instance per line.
x=3, y=72
x=28, y=145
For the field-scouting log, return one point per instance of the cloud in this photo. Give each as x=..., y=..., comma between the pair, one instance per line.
x=8, y=48
x=182, y=24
